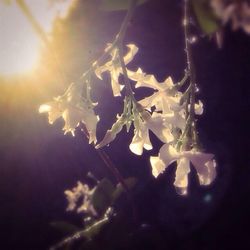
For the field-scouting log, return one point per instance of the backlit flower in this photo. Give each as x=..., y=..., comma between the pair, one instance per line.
x=202, y=162
x=74, y=110
x=162, y=99
x=156, y=124
x=114, y=67
x=83, y=193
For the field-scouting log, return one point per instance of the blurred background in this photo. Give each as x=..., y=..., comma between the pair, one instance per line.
x=38, y=162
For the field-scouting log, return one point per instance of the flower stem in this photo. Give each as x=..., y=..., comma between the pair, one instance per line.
x=113, y=169
x=191, y=69
x=129, y=91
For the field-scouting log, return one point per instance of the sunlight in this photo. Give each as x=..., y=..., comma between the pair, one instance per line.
x=20, y=44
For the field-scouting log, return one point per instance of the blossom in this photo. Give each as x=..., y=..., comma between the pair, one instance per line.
x=114, y=66
x=74, y=110
x=164, y=98
x=156, y=124
x=202, y=162
x=81, y=191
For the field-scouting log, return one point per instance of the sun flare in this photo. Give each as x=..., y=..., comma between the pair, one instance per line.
x=19, y=44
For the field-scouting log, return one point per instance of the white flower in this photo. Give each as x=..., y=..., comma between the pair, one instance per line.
x=202, y=162
x=81, y=191
x=162, y=99
x=114, y=67
x=73, y=110
x=156, y=124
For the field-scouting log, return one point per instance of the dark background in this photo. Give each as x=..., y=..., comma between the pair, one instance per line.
x=37, y=162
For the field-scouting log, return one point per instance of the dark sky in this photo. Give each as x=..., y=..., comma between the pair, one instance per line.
x=38, y=162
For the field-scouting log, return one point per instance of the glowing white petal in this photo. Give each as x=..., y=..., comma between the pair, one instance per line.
x=44, y=108
x=157, y=165
x=158, y=127
x=73, y=110
x=141, y=138
x=133, y=49
x=136, y=146
x=168, y=154
x=168, y=83
x=181, y=176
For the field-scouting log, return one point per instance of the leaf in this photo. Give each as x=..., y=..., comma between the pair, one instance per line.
x=115, y=5
x=130, y=183
x=102, y=195
x=64, y=227
x=111, y=133
x=205, y=16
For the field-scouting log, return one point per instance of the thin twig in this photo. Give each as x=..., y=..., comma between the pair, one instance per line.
x=191, y=70
x=118, y=40
x=113, y=169
x=129, y=91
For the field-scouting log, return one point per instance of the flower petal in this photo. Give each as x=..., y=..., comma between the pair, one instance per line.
x=168, y=154
x=204, y=166
x=168, y=83
x=116, y=87
x=158, y=166
x=133, y=49
x=136, y=146
x=157, y=125
x=53, y=109
x=181, y=176
x=141, y=138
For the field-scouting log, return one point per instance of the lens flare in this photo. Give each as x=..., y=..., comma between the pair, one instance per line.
x=19, y=44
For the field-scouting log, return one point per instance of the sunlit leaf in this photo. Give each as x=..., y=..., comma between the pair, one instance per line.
x=114, y=5
x=205, y=16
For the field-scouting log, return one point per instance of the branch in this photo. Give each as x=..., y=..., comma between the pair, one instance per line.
x=192, y=73
x=118, y=39
x=112, y=168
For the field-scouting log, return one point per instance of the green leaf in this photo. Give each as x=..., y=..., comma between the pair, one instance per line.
x=205, y=16
x=130, y=182
x=102, y=195
x=115, y=5
x=65, y=227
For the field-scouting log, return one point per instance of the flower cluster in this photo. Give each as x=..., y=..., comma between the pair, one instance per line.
x=79, y=199
x=114, y=66
x=169, y=122
x=74, y=109
x=168, y=113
